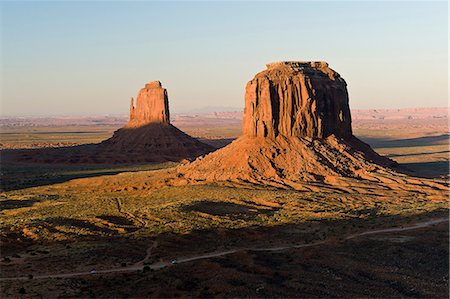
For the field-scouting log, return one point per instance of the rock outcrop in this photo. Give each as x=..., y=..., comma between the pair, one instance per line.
x=149, y=136
x=296, y=129
x=152, y=106
x=302, y=99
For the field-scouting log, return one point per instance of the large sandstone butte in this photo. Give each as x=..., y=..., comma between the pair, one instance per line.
x=297, y=99
x=296, y=129
x=149, y=136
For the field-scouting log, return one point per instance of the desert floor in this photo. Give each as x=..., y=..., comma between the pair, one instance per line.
x=67, y=231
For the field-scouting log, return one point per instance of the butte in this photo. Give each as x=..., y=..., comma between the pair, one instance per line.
x=149, y=135
x=297, y=134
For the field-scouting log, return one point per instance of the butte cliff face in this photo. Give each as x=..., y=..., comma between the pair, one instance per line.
x=296, y=129
x=152, y=106
x=149, y=136
x=301, y=99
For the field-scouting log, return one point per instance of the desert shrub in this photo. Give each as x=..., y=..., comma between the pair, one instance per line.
x=237, y=282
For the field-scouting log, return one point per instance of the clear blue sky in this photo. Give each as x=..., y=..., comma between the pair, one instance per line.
x=89, y=58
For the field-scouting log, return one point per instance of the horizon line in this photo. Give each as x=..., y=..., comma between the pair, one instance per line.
x=192, y=112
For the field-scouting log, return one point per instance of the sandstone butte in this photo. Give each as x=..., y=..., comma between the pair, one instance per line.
x=297, y=99
x=152, y=106
x=149, y=135
x=296, y=133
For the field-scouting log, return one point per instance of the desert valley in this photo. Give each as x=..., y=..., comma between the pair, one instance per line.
x=295, y=196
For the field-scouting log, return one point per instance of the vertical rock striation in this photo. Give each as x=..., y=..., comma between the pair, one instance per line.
x=302, y=99
x=152, y=106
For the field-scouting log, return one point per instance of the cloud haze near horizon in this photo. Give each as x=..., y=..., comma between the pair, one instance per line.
x=89, y=58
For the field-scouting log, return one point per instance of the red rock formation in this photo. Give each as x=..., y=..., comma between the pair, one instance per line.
x=149, y=136
x=152, y=106
x=296, y=129
x=303, y=99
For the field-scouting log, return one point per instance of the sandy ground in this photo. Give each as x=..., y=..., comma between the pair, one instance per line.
x=60, y=222
x=186, y=259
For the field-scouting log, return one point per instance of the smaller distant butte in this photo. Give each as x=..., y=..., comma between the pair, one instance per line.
x=149, y=133
x=152, y=106
x=147, y=137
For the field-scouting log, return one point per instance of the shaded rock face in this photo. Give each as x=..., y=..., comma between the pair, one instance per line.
x=154, y=142
x=303, y=99
x=152, y=106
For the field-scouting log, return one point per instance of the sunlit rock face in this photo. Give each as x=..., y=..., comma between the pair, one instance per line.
x=293, y=98
x=152, y=106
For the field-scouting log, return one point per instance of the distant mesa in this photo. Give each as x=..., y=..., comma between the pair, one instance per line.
x=296, y=129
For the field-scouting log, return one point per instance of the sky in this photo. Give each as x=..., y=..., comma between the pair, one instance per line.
x=91, y=57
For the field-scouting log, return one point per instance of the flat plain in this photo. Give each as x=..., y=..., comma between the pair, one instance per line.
x=100, y=230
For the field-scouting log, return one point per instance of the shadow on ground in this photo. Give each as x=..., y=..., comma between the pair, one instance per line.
x=46, y=166
x=410, y=142
x=390, y=265
x=57, y=165
x=431, y=170
x=16, y=204
x=16, y=177
x=417, y=154
x=231, y=210
x=217, y=143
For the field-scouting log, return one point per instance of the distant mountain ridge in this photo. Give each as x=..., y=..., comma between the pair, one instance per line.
x=405, y=113
x=357, y=114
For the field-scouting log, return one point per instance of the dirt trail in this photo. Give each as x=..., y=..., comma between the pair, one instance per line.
x=398, y=229
x=159, y=265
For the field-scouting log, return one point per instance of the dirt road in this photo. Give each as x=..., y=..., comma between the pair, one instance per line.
x=159, y=265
